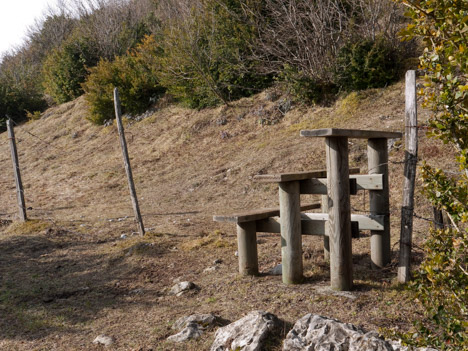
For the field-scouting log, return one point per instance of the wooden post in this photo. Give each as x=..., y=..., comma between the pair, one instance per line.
x=341, y=262
x=128, y=169
x=16, y=170
x=326, y=239
x=438, y=218
x=247, y=248
x=377, y=154
x=411, y=159
x=291, y=236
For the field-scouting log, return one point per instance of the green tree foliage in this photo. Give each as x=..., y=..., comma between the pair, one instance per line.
x=367, y=64
x=65, y=69
x=206, y=57
x=135, y=76
x=20, y=91
x=441, y=283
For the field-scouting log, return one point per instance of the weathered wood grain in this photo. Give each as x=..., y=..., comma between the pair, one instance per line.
x=350, y=133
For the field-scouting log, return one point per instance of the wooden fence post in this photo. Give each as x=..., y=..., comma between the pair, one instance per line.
x=377, y=154
x=16, y=170
x=128, y=169
x=411, y=159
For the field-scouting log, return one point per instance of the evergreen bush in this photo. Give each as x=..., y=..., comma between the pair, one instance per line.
x=133, y=74
x=367, y=64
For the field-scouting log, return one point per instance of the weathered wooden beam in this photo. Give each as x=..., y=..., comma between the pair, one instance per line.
x=349, y=133
x=365, y=222
x=319, y=186
x=254, y=215
x=309, y=226
x=289, y=177
x=368, y=181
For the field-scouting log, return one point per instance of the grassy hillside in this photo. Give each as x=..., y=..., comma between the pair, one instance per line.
x=67, y=276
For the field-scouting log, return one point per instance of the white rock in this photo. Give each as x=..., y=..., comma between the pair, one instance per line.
x=278, y=270
x=104, y=340
x=211, y=269
x=246, y=334
x=397, y=346
x=313, y=332
x=181, y=288
x=192, y=327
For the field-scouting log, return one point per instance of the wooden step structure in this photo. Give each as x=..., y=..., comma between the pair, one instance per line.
x=336, y=224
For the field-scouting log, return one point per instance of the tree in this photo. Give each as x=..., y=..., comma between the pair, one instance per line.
x=442, y=280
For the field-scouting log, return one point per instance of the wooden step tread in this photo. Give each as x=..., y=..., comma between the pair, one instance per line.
x=351, y=133
x=293, y=176
x=254, y=215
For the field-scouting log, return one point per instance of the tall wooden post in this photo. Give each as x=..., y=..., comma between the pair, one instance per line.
x=247, y=248
x=326, y=239
x=339, y=210
x=128, y=169
x=377, y=155
x=411, y=160
x=291, y=235
x=16, y=170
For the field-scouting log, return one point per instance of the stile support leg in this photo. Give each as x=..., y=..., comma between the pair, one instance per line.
x=247, y=248
x=379, y=201
x=339, y=210
x=291, y=236
x=326, y=239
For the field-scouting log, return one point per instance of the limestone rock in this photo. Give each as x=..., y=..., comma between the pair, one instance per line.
x=278, y=270
x=104, y=340
x=313, y=332
x=246, y=334
x=181, y=288
x=397, y=346
x=192, y=327
x=191, y=331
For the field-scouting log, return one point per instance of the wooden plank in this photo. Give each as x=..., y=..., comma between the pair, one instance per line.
x=309, y=226
x=291, y=238
x=368, y=181
x=411, y=160
x=365, y=222
x=288, y=177
x=319, y=186
x=128, y=168
x=247, y=248
x=339, y=209
x=17, y=173
x=326, y=239
x=350, y=133
x=254, y=215
x=377, y=155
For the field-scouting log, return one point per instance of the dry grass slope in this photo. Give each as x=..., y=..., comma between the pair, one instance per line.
x=66, y=276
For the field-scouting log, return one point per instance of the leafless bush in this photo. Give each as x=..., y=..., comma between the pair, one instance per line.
x=308, y=35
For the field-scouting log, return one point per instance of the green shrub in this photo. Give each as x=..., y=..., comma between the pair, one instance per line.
x=133, y=74
x=306, y=89
x=206, y=57
x=65, y=69
x=367, y=64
